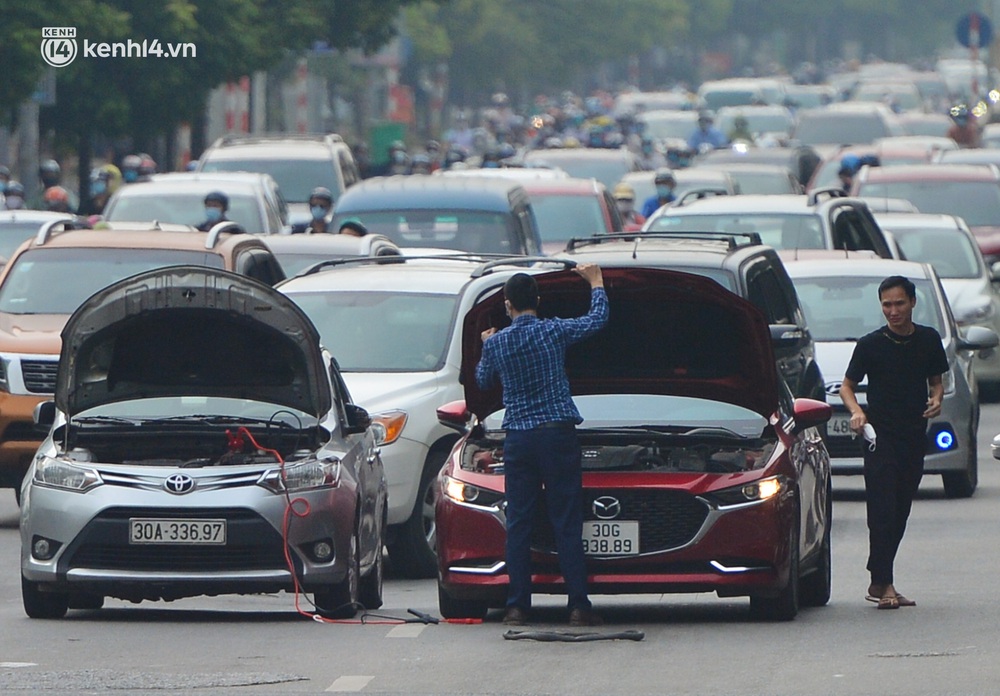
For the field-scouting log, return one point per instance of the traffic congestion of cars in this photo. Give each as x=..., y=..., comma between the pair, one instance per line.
x=234, y=407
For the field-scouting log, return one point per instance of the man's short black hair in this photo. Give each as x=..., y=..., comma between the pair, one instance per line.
x=898, y=282
x=522, y=292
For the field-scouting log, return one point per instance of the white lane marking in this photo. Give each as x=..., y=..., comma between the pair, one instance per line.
x=12, y=665
x=349, y=683
x=406, y=631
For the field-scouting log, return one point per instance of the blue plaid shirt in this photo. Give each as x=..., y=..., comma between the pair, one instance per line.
x=529, y=357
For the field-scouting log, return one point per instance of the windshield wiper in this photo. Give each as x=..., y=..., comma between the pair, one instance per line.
x=216, y=419
x=105, y=419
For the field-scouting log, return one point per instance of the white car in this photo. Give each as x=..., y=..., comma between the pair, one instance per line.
x=945, y=242
x=392, y=328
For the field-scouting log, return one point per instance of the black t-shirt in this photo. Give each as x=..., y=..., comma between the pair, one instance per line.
x=897, y=368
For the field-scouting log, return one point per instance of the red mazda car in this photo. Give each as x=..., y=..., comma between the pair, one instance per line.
x=701, y=473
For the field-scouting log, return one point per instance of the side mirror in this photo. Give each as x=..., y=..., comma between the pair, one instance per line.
x=977, y=338
x=785, y=335
x=995, y=272
x=810, y=413
x=44, y=415
x=358, y=419
x=454, y=415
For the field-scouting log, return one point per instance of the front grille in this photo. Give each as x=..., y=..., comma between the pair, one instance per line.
x=667, y=519
x=251, y=544
x=40, y=375
x=839, y=447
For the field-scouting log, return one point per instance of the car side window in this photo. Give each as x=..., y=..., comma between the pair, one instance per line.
x=765, y=292
x=617, y=224
x=848, y=232
x=261, y=266
x=526, y=231
x=347, y=169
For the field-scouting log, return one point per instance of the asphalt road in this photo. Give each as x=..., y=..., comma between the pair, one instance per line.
x=693, y=644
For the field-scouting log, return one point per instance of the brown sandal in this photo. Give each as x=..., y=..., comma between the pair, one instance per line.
x=888, y=602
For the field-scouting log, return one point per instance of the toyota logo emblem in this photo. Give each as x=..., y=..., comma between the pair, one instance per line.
x=179, y=484
x=606, y=507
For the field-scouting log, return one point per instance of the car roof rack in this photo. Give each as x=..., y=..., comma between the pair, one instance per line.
x=697, y=194
x=491, y=266
x=401, y=258
x=828, y=191
x=217, y=229
x=46, y=229
x=244, y=138
x=731, y=239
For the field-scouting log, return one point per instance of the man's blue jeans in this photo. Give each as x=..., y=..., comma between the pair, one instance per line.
x=549, y=457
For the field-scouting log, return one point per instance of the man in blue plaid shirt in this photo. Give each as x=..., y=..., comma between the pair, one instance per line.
x=541, y=446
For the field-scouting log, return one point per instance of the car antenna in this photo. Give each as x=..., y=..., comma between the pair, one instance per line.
x=635, y=247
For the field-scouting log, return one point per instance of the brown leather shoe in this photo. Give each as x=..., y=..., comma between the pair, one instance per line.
x=584, y=617
x=515, y=616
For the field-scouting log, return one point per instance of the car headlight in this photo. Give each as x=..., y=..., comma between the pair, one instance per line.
x=58, y=473
x=462, y=492
x=388, y=426
x=948, y=382
x=750, y=492
x=4, y=368
x=315, y=473
x=977, y=314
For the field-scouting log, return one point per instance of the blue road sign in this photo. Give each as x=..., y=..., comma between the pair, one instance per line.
x=974, y=30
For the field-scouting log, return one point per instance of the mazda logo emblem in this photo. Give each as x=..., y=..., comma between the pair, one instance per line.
x=179, y=484
x=606, y=507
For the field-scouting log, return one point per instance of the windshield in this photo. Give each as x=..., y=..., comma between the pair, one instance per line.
x=840, y=128
x=775, y=229
x=562, y=217
x=767, y=122
x=763, y=182
x=951, y=253
x=12, y=234
x=654, y=410
x=976, y=201
x=464, y=230
x=57, y=281
x=182, y=208
x=296, y=178
x=608, y=172
x=826, y=175
x=679, y=126
x=715, y=100
x=382, y=331
x=845, y=308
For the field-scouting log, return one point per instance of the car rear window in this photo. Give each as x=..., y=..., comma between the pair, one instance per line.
x=57, y=281
x=382, y=331
x=296, y=178
x=183, y=208
x=779, y=231
x=464, y=230
x=840, y=128
x=976, y=201
x=950, y=252
x=562, y=217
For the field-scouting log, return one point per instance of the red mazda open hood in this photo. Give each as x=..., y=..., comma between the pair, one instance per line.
x=670, y=333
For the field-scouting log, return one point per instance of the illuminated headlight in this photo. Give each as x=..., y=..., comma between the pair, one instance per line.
x=298, y=477
x=757, y=491
x=467, y=493
x=58, y=473
x=388, y=426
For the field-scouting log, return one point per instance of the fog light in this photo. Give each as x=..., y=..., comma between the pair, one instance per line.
x=944, y=440
x=43, y=549
x=323, y=551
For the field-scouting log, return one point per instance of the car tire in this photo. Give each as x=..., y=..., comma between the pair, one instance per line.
x=815, y=588
x=785, y=605
x=370, y=589
x=341, y=600
x=85, y=600
x=452, y=608
x=412, y=548
x=42, y=605
x=962, y=484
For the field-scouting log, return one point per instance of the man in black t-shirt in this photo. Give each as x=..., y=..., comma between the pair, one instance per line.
x=904, y=363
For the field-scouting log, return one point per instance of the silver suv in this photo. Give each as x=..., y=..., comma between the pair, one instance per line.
x=392, y=328
x=298, y=162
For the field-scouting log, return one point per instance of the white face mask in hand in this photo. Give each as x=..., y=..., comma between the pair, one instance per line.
x=869, y=434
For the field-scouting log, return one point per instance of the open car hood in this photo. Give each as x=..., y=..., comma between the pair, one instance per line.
x=191, y=331
x=669, y=333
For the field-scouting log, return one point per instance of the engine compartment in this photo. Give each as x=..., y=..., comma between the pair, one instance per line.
x=639, y=452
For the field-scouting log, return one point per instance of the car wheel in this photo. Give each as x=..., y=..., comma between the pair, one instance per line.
x=816, y=587
x=85, y=600
x=341, y=601
x=42, y=605
x=785, y=605
x=370, y=590
x=412, y=549
x=452, y=608
x=962, y=484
